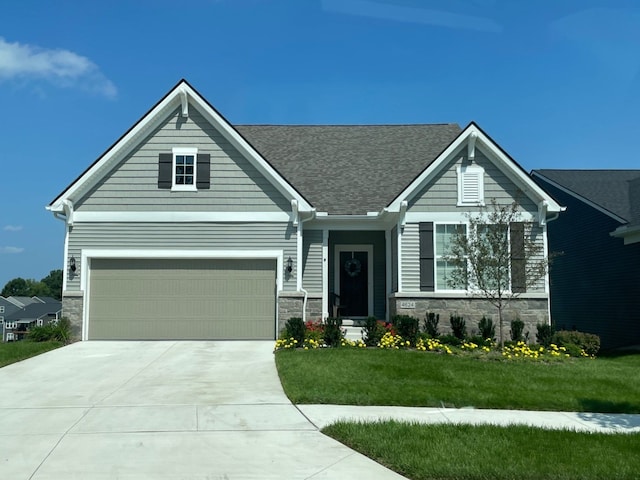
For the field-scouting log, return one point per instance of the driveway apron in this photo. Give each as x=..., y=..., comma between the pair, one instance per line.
x=161, y=410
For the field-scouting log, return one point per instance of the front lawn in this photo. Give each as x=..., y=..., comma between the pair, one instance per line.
x=12, y=352
x=465, y=452
x=411, y=378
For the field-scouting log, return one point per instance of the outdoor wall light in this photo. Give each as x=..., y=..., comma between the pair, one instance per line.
x=72, y=265
x=289, y=265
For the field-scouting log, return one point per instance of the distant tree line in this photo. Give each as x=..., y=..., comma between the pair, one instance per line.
x=49, y=286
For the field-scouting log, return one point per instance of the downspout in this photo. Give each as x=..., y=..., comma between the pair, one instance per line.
x=306, y=294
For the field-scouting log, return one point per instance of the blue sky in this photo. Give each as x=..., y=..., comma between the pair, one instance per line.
x=555, y=83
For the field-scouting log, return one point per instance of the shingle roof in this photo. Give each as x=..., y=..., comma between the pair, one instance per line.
x=35, y=310
x=350, y=169
x=607, y=188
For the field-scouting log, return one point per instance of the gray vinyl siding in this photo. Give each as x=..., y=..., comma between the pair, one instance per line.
x=410, y=261
x=595, y=280
x=235, y=184
x=187, y=236
x=441, y=194
x=394, y=259
x=312, y=261
x=377, y=239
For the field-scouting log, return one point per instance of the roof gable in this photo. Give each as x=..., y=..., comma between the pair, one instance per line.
x=181, y=96
x=471, y=136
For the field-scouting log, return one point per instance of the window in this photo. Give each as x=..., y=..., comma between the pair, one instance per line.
x=494, y=246
x=1, y=308
x=470, y=185
x=445, y=233
x=184, y=169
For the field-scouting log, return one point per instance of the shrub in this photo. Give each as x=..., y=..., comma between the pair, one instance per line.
x=588, y=342
x=544, y=334
x=59, y=331
x=487, y=328
x=313, y=331
x=450, y=340
x=294, y=328
x=431, y=324
x=333, y=332
x=458, y=326
x=373, y=331
x=517, y=328
x=407, y=327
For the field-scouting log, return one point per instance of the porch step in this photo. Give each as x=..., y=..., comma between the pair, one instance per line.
x=352, y=328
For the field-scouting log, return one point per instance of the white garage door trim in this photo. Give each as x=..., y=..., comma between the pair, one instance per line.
x=87, y=255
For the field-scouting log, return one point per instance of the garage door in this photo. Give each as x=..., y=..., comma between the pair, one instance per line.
x=183, y=299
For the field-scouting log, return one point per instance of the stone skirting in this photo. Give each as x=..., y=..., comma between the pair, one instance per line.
x=532, y=311
x=290, y=304
x=72, y=308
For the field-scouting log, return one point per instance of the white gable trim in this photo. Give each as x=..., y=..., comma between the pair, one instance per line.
x=477, y=137
x=177, y=97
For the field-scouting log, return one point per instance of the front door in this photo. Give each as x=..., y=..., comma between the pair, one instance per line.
x=354, y=280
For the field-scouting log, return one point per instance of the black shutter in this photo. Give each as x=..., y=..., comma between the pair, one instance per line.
x=518, y=263
x=203, y=176
x=426, y=257
x=165, y=170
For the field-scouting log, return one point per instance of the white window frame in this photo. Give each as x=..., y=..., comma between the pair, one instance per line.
x=437, y=256
x=186, y=151
x=10, y=325
x=1, y=308
x=466, y=174
x=10, y=337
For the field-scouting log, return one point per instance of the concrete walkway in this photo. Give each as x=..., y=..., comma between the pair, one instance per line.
x=323, y=415
x=193, y=410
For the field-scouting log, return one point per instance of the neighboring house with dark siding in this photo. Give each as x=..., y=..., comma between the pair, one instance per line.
x=595, y=283
x=190, y=227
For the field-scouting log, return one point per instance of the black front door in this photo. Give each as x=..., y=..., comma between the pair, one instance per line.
x=354, y=288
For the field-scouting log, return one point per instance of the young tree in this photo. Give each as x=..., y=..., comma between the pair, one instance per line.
x=497, y=259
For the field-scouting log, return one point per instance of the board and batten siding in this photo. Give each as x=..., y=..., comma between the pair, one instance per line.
x=186, y=236
x=236, y=185
x=441, y=194
x=312, y=261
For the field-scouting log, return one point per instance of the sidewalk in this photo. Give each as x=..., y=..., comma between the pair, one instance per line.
x=323, y=415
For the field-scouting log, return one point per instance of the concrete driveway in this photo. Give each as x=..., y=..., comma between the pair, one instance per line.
x=161, y=410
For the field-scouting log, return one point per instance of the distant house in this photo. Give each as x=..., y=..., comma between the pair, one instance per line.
x=17, y=323
x=595, y=283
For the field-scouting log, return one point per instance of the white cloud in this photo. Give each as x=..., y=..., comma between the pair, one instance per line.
x=12, y=228
x=11, y=250
x=400, y=13
x=61, y=67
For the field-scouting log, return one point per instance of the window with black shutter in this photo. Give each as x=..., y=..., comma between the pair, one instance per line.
x=184, y=169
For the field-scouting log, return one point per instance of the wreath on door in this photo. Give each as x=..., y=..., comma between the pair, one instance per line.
x=353, y=267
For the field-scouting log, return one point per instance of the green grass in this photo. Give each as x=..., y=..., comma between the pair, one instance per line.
x=465, y=452
x=12, y=352
x=410, y=378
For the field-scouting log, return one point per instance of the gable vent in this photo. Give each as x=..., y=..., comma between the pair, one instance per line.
x=470, y=185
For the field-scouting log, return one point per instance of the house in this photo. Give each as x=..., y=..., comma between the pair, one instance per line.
x=189, y=227
x=596, y=281
x=17, y=324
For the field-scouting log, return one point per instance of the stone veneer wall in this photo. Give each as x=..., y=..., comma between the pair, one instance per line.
x=72, y=307
x=531, y=311
x=291, y=304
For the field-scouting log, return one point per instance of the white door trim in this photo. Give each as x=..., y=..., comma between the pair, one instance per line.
x=339, y=248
